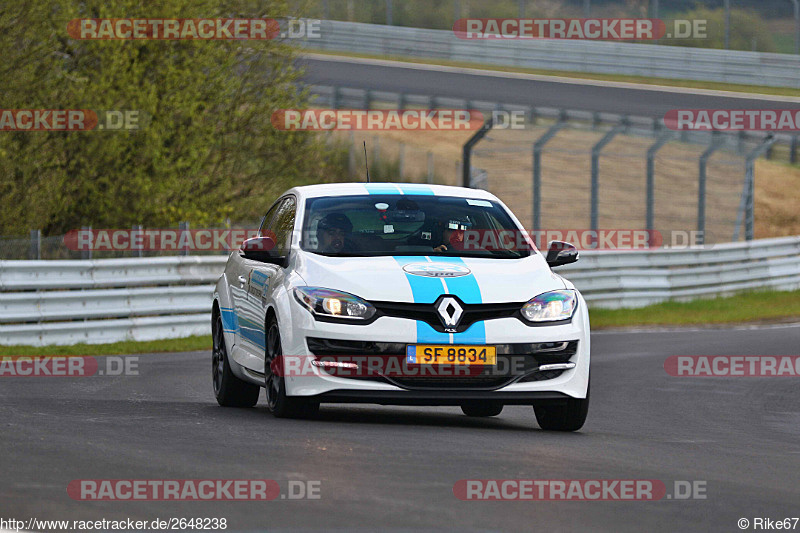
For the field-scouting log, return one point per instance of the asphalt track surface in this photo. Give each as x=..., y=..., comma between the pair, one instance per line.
x=538, y=91
x=393, y=468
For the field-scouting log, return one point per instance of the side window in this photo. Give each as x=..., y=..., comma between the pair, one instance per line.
x=268, y=218
x=282, y=225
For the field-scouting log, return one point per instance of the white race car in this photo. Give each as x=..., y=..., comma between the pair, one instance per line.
x=400, y=294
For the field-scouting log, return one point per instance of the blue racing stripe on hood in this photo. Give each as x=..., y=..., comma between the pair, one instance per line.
x=426, y=290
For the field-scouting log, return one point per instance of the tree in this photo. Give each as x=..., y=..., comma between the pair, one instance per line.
x=206, y=149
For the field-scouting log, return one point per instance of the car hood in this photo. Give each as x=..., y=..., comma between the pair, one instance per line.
x=422, y=279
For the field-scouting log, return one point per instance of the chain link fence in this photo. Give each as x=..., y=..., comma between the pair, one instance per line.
x=595, y=170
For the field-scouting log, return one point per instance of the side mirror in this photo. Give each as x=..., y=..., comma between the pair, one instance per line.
x=261, y=249
x=561, y=253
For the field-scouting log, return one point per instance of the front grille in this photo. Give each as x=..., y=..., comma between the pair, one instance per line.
x=515, y=363
x=427, y=313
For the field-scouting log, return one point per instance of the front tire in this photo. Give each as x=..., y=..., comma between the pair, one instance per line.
x=281, y=405
x=569, y=416
x=229, y=390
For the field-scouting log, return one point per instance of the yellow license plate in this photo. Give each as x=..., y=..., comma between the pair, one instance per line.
x=454, y=354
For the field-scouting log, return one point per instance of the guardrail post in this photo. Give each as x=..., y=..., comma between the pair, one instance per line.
x=533, y=116
x=335, y=98
x=183, y=226
x=139, y=249
x=651, y=180
x=35, y=251
x=389, y=12
x=746, y=205
x=716, y=144
x=401, y=101
x=86, y=254
x=793, y=150
x=367, y=99
x=538, y=147
x=466, y=151
x=596, y=151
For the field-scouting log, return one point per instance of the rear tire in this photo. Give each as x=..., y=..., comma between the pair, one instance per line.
x=281, y=405
x=229, y=390
x=482, y=409
x=569, y=416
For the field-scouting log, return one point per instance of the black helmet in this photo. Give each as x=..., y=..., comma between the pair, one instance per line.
x=337, y=221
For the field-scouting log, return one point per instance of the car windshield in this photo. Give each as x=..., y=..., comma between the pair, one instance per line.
x=376, y=225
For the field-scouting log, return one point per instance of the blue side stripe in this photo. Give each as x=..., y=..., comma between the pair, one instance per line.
x=250, y=331
x=229, y=322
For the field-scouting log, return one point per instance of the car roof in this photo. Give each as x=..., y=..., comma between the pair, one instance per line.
x=354, y=189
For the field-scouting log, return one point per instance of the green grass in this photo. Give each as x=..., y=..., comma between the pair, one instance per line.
x=187, y=344
x=757, y=306
x=692, y=84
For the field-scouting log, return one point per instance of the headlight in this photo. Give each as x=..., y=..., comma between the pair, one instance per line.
x=335, y=304
x=551, y=306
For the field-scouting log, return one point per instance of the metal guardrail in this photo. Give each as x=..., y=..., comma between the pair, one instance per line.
x=600, y=57
x=637, y=279
x=106, y=300
x=114, y=300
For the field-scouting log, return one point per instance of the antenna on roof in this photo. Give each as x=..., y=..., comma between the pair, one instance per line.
x=366, y=164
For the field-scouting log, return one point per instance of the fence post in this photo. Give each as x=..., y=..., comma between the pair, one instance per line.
x=716, y=143
x=596, y=150
x=746, y=204
x=651, y=180
x=466, y=151
x=430, y=167
x=86, y=254
x=139, y=249
x=183, y=226
x=35, y=251
x=538, y=146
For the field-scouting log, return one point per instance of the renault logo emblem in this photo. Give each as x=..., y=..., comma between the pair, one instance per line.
x=450, y=312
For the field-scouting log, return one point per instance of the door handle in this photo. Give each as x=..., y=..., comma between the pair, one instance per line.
x=242, y=281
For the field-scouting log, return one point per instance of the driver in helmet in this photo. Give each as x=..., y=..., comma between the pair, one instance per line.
x=453, y=235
